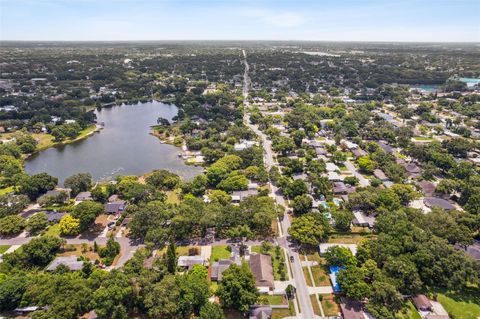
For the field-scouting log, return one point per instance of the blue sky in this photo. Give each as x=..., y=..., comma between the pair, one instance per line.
x=331, y=20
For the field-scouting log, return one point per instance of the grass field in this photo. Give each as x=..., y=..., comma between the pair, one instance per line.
x=320, y=276
x=465, y=306
x=220, y=252
x=4, y=248
x=53, y=230
x=330, y=307
x=306, y=274
x=316, y=308
x=282, y=313
x=276, y=299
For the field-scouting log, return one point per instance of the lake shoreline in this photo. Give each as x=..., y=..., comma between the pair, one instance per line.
x=125, y=147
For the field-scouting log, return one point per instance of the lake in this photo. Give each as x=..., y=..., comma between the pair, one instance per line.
x=123, y=147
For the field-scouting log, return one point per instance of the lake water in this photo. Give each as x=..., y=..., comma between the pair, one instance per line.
x=470, y=81
x=123, y=147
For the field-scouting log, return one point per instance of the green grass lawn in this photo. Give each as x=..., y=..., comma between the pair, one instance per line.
x=320, y=276
x=276, y=261
x=53, y=230
x=422, y=138
x=275, y=299
x=220, y=252
x=282, y=313
x=306, y=274
x=464, y=306
x=4, y=248
x=330, y=307
x=316, y=308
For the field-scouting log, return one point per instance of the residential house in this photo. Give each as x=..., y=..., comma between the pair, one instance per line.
x=260, y=312
x=436, y=202
x=385, y=146
x=351, y=309
x=413, y=171
x=116, y=207
x=363, y=220
x=340, y=188
x=238, y=196
x=83, y=196
x=187, y=262
x=262, y=270
x=378, y=173
x=325, y=246
x=54, y=217
x=358, y=152
x=422, y=303
x=427, y=188
x=71, y=262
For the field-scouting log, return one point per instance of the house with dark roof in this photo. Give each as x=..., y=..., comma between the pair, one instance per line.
x=422, y=303
x=71, y=262
x=358, y=152
x=262, y=270
x=187, y=262
x=260, y=312
x=378, y=173
x=384, y=146
x=351, y=309
x=413, y=171
x=340, y=188
x=427, y=188
x=115, y=207
x=218, y=267
x=83, y=196
x=54, y=217
x=436, y=202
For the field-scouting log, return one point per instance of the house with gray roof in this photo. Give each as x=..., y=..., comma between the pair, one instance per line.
x=71, y=262
x=262, y=270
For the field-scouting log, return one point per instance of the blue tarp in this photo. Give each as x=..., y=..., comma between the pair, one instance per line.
x=333, y=277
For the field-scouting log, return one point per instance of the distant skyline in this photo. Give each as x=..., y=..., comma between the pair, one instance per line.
x=320, y=20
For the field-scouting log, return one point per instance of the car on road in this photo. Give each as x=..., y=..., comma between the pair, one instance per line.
x=111, y=225
x=291, y=259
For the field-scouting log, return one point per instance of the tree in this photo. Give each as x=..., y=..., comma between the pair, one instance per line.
x=69, y=225
x=366, y=165
x=162, y=299
x=99, y=195
x=406, y=193
x=211, y=311
x=338, y=157
x=343, y=219
x=37, y=223
x=12, y=204
x=351, y=180
x=220, y=197
x=234, y=182
x=309, y=229
x=237, y=289
x=110, y=251
x=302, y=204
x=339, y=256
x=171, y=257
x=11, y=225
x=298, y=136
x=321, y=185
x=296, y=188
x=351, y=280
x=38, y=252
x=80, y=182
x=163, y=179
x=86, y=212
x=37, y=184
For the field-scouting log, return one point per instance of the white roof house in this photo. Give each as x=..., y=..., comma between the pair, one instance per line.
x=324, y=247
x=244, y=145
x=331, y=167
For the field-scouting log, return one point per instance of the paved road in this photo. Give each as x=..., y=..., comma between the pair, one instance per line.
x=361, y=179
x=303, y=297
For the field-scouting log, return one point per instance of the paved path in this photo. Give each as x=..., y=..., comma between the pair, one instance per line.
x=302, y=294
x=361, y=179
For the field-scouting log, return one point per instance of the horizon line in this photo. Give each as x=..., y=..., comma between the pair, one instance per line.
x=245, y=40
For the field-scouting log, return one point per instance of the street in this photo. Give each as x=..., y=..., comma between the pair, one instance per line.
x=302, y=295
